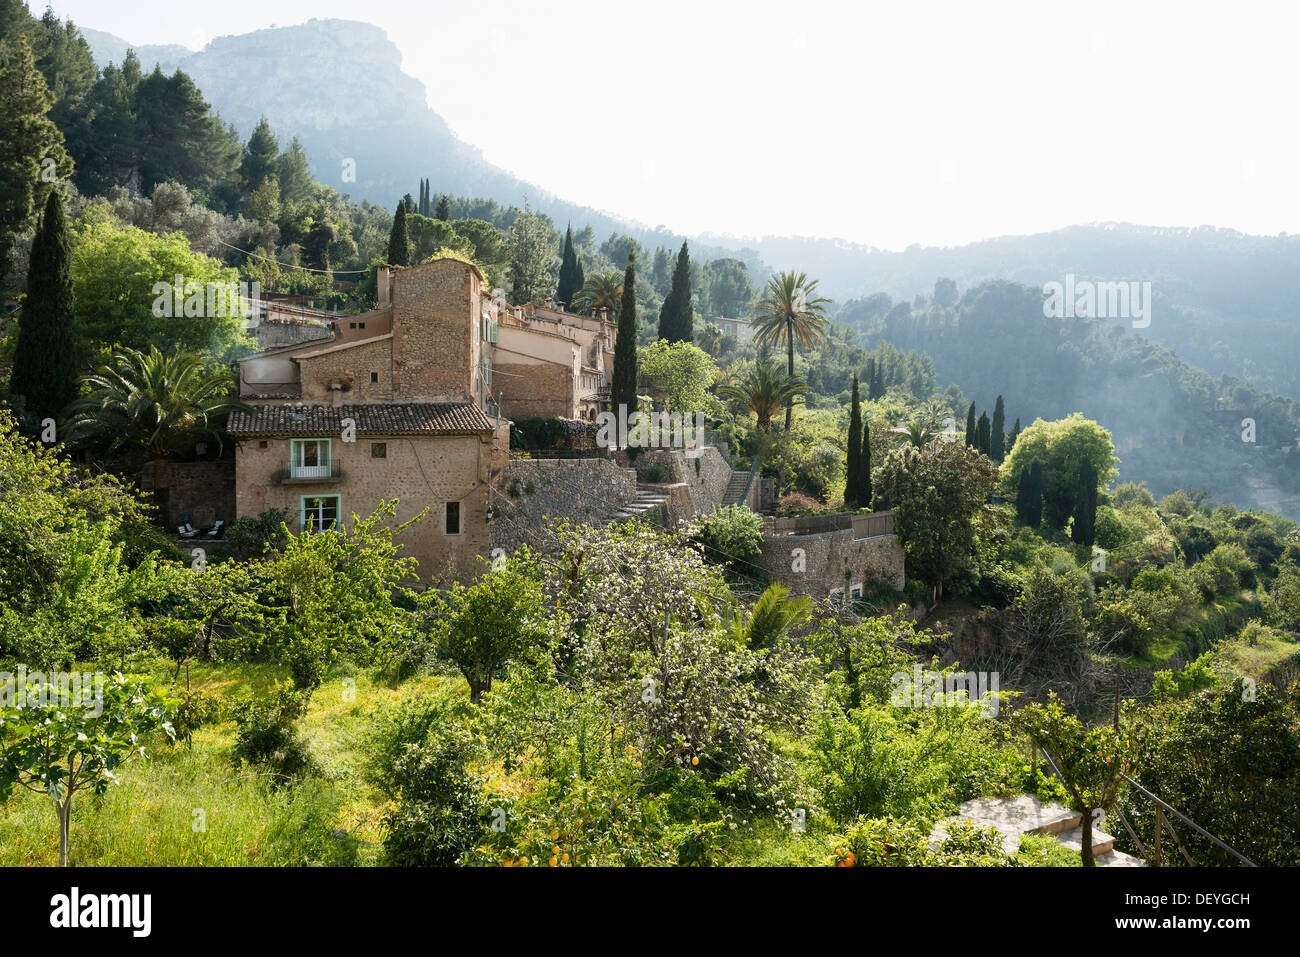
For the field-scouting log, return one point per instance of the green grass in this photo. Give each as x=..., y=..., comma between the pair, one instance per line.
x=192, y=807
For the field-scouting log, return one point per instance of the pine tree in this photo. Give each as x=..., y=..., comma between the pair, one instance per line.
x=399, y=240
x=853, y=463
x=260, y=157
x=971, y=436
x=45, y=359
x=983, y=434
x=623, y=385
x=998, y=437
x=1083, y=531
x=444, y=208
x=676, y=317
x=1029, y=497
x=570, y=272
x=30, y=140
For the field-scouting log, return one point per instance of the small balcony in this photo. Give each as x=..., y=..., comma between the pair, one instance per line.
x=295, y=474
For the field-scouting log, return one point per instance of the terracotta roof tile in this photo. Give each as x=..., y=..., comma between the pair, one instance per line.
x=389, y=419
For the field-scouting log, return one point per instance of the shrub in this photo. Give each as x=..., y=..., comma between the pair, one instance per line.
x=266, y=735
x=732, y=535
x=889, y=842
x=253, y=537
x=797, y=503
x=440, y=812
x=394, y=729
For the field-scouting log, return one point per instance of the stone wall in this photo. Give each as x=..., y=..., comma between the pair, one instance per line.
x=203, y=490
x=273, y=333
x=532, y=496
x=528, y=389
x=435, y=331
x=833, y=561
x=351, y=367
x=705, y=476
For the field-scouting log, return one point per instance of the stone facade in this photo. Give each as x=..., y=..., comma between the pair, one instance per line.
x=436, y=332
x=527, y=390
x=832, y=562
x=205, y=491
x=531, y=495
x=420, y=471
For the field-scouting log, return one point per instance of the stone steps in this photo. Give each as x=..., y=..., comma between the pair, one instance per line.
x=645, y=501
x=735, y=488
x=1026, y=814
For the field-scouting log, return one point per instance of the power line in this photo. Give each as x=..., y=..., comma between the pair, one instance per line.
x=327, y=272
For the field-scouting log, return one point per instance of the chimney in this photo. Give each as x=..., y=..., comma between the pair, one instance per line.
x=383, y=282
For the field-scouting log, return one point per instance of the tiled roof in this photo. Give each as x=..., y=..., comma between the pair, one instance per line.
x=391, y=419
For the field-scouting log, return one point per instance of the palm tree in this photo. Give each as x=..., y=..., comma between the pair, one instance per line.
x=602, y=291
x=763, y=390
x=919, y=432
x=773, y=616
x=154, y=401
x=790, y=311
x=710, y=339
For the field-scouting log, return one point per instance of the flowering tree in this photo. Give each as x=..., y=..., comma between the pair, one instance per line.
x=57, y=747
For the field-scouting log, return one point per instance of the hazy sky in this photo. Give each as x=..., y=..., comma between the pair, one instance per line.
x=882, y=123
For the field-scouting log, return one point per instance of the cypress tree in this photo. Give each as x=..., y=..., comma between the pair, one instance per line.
x=853, y=464
x=676, y=315
x=998, y=439
x=570, y=272
x=45, y=358
x=983, y=434
x=1015, y=434
x=1029, y=497
x=1084, y=529
x=864, y=469
x=869, y=377
x=444, y=208
x=399, y=239
x=970, y=426
x=623, y=385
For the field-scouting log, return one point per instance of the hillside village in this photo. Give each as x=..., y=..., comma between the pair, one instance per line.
x=430, y=380
x=371, y=570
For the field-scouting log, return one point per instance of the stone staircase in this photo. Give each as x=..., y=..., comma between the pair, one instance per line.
x=647, y=501
x=1026, y=814
x=736, y=486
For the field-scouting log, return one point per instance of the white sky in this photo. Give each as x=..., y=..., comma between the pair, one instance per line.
x=883, y=123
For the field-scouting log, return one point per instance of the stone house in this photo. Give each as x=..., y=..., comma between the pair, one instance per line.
x=397, y=403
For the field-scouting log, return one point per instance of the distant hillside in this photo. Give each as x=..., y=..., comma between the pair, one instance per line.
x=338, y=86
x=107, y=48
x=1224, y=301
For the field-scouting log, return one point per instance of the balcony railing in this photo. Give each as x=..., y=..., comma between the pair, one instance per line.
x=309, y=474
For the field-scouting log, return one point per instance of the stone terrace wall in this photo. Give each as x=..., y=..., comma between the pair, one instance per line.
x=203, y=490
x=582, y=491
x=707, y=485
x=833, y=561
